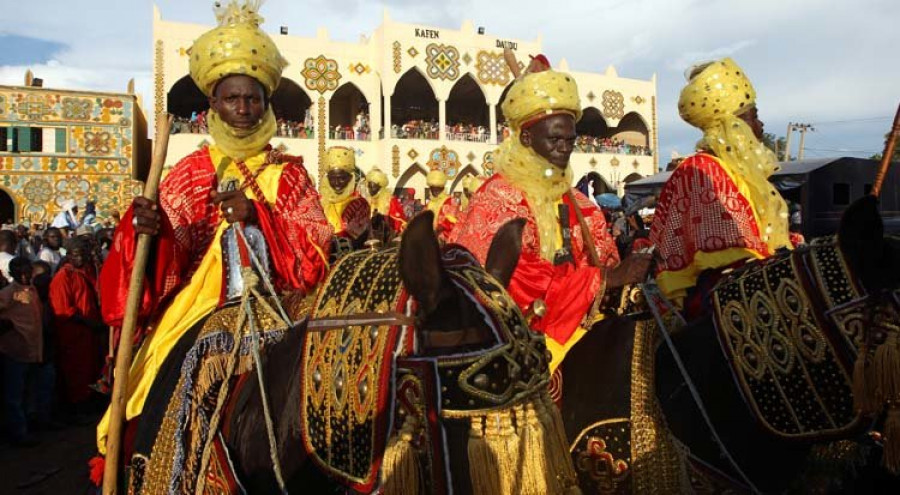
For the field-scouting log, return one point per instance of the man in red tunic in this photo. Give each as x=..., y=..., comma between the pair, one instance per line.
x=444, y=207
x=718, y=207
x=80, y=332
x=239, y=179
x=533, y=181
x=346, y=210
x=383, y=202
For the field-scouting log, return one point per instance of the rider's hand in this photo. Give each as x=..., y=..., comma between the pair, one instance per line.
x=235, y=206
x=631, y=270
x=145, y=216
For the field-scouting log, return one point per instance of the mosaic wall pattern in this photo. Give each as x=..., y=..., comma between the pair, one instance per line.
x=443, y=62
x=444, y=159
x=491, y=68
x=613, y=104
x=91, y=158
x=321, y=74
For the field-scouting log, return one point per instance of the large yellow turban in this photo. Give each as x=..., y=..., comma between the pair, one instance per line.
x=720, y=89
x=541, y=94
x=236, y=46
x=376, y=176
x=716, y=94
x=436, y=178
x=340, y=158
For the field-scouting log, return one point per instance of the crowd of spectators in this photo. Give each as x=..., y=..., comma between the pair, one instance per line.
x=593, y=144
x=468, y=132
x=416, y=129
x=54, y=345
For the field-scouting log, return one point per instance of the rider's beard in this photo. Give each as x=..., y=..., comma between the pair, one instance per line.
x=542, y=183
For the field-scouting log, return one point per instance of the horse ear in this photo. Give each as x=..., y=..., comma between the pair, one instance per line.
x=503, y=255
x=420, y=261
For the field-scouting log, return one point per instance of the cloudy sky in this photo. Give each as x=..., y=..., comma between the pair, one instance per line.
x=831, y=63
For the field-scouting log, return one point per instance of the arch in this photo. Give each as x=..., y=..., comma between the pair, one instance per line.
x=414, y=177
x=457, y=181
x=500, y=117
x=467, y=111
x=633, y=130
x=414, y=101
x=349, y=110
x=8, y=210
x=592, y=124
x=632, y=177
x=290, y=101
x=185, y=98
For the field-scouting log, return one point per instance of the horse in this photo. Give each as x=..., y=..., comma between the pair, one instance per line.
x=785, y=411
x=459, y=390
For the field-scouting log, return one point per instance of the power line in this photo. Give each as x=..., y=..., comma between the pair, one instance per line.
x=849, y=121
x=841, y=151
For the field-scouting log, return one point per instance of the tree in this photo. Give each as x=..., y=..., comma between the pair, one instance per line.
x=778, y=144
x=895, y=158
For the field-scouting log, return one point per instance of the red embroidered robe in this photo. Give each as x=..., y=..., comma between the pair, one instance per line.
x=295, y=228
x=568, y=289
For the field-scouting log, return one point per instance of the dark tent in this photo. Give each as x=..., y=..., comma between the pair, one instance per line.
x=822, y=187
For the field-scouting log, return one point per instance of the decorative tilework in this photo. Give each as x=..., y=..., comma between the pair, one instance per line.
x=159, y=80
x=614, y=162
x=613, y=104
x=321, y=132
x=412, y=52
x=395, y=161
x=443, y=62
x=487, y=163
x=398, y=63
x=412, y=154
x=444, y=159
x=491, y=68
x=321, y=74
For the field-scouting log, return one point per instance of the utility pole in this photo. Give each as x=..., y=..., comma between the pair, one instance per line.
x=802, y=128
x=787, y=142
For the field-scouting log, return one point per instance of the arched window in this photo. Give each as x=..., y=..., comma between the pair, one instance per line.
x=414, y=178
x=349, y=113
x=8, y=213
x=414, y=108
x=632, y=130
x=592, y=123
x=467, y=112
x=187, y=103
x=291, y=106
x=502, y=126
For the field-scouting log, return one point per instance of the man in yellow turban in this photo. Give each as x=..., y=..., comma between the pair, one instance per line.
x=383, y=203
x=532, y=181
x=441, y=204
x=347, y=211
x=718, y=207
x=238, y=180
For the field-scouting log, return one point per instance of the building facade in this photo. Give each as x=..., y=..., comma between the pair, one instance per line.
x=411, y=98
x=58, y=145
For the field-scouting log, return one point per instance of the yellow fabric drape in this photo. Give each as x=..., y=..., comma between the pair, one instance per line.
x=194, y=302
x=335, y=211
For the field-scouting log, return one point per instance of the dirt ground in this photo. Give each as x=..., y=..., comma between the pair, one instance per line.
x=58, y=465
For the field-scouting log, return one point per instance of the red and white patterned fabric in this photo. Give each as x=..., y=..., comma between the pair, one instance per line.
x=568, y=289
x=295, y=228
x=702, y=211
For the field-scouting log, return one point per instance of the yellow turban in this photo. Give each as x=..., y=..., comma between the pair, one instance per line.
x=340, y=158
x=541, y=94
x=719, y=90
x=713, y=99
x=436, y=178
x=376, y=176
x=236, y=46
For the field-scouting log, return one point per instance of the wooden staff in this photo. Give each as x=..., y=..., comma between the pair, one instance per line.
x=585, y=231
x=887, y=155
x=129, y=323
